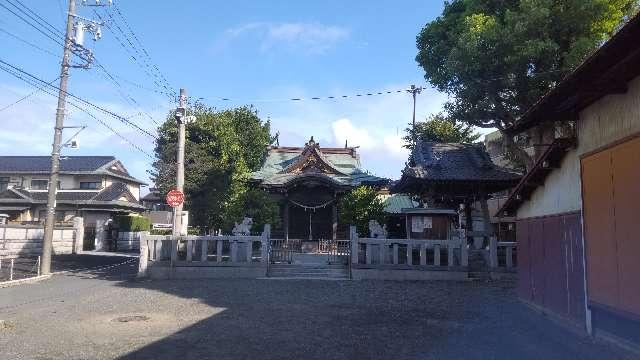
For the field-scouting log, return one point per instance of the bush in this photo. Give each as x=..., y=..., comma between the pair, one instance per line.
x=133, y=223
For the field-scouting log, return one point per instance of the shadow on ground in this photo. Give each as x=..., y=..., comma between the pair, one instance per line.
x=295, y=319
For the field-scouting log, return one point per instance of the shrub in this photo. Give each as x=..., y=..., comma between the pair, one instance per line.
x=133, y=223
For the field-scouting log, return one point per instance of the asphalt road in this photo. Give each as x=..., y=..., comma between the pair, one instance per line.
x=108, y=314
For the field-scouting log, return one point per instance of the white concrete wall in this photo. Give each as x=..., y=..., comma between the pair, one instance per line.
x=612, y=118
x=560, y=193
x=20, y=241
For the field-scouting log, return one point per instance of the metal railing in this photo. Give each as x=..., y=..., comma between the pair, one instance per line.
x=19, y=268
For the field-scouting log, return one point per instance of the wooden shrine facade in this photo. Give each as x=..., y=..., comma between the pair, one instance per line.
x=308, y=183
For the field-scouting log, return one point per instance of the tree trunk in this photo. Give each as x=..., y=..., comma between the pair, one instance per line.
x=519, y=153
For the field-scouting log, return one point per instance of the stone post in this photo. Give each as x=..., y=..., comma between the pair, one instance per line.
x=464, y=251
x=143, y=261
x=78, y=234
x=493, y=251
x=353, y=236
x=266, y=237
x=100, y=235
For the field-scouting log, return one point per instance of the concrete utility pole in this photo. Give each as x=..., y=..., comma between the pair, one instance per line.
x=181, y=119
x=45, y=264
x=414, y=91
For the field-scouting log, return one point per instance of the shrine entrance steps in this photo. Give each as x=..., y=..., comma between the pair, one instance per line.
x=309, y=266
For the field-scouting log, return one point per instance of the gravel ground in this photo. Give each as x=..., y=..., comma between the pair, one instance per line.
x=75, y=316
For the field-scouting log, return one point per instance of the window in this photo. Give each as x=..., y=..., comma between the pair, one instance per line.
x=4, y=183
x=90, y=185
x=39, y=184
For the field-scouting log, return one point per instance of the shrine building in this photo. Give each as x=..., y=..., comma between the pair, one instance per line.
x=308, y=183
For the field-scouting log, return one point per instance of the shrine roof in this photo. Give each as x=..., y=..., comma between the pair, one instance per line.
x=340, y=166
x=432, y=162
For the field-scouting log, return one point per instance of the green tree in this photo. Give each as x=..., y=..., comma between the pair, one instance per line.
x=495, y=58
x=221, y=149
x=256, y=204
x=359, y=206
x=438, y=128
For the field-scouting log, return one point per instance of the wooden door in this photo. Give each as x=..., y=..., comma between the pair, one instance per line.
x=611, y=204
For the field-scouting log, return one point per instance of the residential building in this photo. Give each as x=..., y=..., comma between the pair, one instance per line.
x=92, y=187
x=577, y=207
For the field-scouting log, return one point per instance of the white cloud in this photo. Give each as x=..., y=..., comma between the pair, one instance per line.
x=311, y=38
x=374, y=123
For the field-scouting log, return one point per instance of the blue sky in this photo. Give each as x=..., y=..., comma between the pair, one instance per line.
x=259, y=52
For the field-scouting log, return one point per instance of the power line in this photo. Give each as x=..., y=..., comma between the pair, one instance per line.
x=28, y=42
x=73, y=104
x=54, y=30
x=27, y=96
x=329, y=97
x=144, y=50
x=137, y=57
x=124, y=95
x=56, y=40
x=84, y=101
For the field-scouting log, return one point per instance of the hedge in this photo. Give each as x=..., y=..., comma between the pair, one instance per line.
x=133, y=223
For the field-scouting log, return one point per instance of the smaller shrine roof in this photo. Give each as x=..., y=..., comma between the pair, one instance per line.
x=453, y=163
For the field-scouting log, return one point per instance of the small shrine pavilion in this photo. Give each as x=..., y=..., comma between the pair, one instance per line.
x=308, y=182
x=446, y=175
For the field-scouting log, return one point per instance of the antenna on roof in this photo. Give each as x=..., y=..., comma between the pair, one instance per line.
x=345, y=144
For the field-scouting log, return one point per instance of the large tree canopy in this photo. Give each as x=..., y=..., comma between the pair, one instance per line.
x=438, y=128
x=495, y=58
x=221, y=149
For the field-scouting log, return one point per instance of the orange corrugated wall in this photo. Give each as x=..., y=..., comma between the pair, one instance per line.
x=611, y=202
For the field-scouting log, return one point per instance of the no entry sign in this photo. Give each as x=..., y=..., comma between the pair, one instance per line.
x=175, y=198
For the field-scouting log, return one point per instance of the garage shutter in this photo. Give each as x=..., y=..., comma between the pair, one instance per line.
x=611, y=200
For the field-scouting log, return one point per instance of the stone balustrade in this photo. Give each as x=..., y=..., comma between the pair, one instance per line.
x=168, y=256
x=502, y=255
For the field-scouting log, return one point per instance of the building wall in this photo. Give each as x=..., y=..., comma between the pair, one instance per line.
x=550, y=271
x=26, y=241
x=610, y=119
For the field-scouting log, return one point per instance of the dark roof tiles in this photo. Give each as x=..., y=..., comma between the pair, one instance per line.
x=43, y=163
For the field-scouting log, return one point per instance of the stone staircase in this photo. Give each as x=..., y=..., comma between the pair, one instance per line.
x=478, y=266
x=309, y=266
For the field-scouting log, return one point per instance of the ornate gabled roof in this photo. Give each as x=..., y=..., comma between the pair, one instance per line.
x=337, y=166
x=453, y=163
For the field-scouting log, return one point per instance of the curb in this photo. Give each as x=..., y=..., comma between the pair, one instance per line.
x=30, y=280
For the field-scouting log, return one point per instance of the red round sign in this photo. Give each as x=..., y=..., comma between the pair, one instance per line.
x=175, y=198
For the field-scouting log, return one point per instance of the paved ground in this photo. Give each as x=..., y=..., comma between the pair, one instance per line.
x=72, y=317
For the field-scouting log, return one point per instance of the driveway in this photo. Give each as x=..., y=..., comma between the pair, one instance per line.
x=109, y=314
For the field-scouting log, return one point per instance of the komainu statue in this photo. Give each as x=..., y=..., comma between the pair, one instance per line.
x=377, y=231
x=244, y=228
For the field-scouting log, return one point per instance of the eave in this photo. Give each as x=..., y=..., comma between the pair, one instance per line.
x=535, y=178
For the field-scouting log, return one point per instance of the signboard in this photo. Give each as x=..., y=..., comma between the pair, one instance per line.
x=175, y=198
x=419, y=223
x=428, y=222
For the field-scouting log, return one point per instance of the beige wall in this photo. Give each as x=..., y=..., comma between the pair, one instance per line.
x=612, y=118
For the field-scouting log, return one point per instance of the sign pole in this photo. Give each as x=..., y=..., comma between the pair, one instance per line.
x=181, y=118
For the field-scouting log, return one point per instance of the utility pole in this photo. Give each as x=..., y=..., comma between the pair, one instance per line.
x=45, y=264
x=414, y=91
x=181, y=119
x=73, y=43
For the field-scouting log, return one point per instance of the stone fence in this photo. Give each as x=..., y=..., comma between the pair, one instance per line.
x=409, y=259
x=241, y=256
x=26, y=240
x=502, y=257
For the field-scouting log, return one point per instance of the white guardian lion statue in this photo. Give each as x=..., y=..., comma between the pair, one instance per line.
x=244, y=228
x=377, y=231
